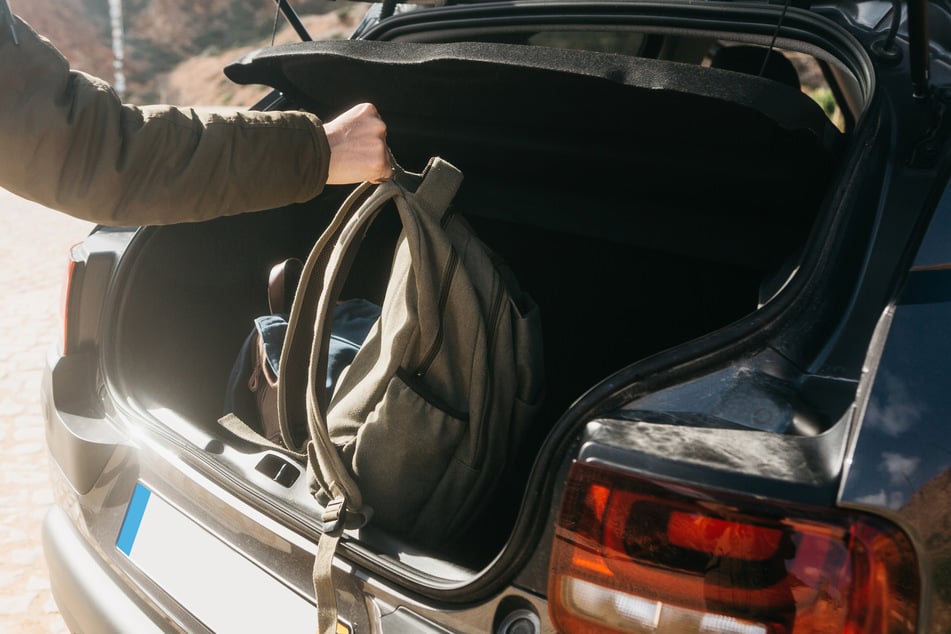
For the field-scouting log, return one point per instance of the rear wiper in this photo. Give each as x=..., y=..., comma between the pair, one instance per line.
x=918, y=47
x=294, y=20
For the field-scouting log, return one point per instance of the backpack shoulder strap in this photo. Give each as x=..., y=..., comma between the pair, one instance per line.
x=304, y=363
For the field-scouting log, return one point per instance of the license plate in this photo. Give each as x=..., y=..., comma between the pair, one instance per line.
x=223, y=589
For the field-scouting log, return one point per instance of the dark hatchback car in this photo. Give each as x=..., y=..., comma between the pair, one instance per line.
x=745, y=300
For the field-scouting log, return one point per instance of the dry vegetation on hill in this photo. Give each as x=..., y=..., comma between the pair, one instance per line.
x=175, y=49
x=199, y=80
x=79, y=28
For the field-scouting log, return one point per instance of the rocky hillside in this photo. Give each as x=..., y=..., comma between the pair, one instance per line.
x=199, y=80
x=174, y=49
x=927, y=513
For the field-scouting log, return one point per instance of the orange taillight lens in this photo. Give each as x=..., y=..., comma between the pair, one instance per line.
x=636, y=555
x=69, y=302
x=735, y=540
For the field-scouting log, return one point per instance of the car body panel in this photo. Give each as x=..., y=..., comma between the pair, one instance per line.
x=900, y=462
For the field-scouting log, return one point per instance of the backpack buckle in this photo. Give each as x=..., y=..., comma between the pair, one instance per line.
x=335, y=515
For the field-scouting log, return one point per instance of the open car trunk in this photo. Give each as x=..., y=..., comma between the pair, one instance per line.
x=642, y=204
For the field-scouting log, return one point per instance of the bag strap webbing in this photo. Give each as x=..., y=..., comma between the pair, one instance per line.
x=245, y=432
x=295, y=359
x=334, y=520
x=328, y=275
x=327, y=465
x=300, y=361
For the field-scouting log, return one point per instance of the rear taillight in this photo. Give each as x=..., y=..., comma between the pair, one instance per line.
x=638, y=555
x=70, y=301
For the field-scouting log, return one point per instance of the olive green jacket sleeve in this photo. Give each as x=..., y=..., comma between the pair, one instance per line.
x=67, y=142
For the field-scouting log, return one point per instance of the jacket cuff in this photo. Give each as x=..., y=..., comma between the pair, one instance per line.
x=322, y=158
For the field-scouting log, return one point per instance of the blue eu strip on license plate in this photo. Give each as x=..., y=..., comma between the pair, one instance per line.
x=133, y=518
x=218, y=585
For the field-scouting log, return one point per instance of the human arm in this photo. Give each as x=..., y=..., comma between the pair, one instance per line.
x=67, y=141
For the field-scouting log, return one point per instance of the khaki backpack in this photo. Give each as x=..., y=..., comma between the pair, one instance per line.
x=433, y=407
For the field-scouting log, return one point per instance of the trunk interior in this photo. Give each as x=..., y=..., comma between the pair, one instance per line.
x=641, y=203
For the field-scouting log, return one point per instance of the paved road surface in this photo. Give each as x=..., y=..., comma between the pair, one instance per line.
x=33, y=245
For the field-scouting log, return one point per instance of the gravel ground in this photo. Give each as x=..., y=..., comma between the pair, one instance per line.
x=34, y=242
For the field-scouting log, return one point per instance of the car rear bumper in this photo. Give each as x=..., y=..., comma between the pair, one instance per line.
x=98, y=460
x=88, y=596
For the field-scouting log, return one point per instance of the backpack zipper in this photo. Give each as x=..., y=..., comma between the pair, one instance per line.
x=443, y=300
x=490, y=341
